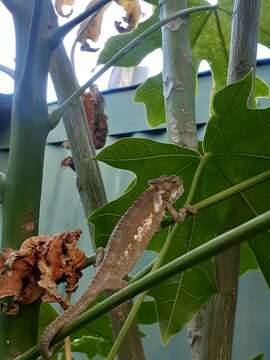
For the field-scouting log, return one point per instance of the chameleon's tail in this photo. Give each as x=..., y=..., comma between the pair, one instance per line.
x=70, y=314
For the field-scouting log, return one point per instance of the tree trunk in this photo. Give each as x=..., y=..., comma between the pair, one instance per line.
x=217, y=336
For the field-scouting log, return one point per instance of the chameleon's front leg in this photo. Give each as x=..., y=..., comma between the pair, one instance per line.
x=179, y=216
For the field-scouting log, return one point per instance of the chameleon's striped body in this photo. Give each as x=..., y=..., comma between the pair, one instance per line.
x=126, y=244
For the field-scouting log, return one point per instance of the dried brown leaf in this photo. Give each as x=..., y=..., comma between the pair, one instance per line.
x=133, y=12
x=68, y=162
x=36, y=269
x=94, y=104
x=90, y=28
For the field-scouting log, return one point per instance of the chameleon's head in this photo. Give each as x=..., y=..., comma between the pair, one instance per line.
x=170, y=186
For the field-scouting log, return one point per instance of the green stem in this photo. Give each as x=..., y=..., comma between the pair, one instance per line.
x=8, y=71
x=2, y=183
x=22, y=191
x=178, y=76
x=56, y=114
x=195, y=179
x=211, y=248
x=143, y=272
x=59, y=35
x=223, y=195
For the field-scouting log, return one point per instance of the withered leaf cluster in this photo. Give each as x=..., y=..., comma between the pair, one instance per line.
x=94, y=103
x=34, y=271
x=90, y=28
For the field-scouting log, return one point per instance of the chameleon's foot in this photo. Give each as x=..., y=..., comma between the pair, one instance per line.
x=99, y=256
x=183, y=212
x=191, y=209
x=179, y=216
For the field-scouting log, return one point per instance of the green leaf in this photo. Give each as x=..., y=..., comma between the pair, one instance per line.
x=210, y=36
x=150, y=93
x=147, y=313
x=230, y=153
x=135, y=56
x=91, y=346
x=261, y=88
x=247, y=259
x=259, y=357
x=210, y=39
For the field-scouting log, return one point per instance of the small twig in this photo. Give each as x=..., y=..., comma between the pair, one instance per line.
x=89, y=261
x=62, y=31
x=56, y=114
x=67, y=342
x=7, y=71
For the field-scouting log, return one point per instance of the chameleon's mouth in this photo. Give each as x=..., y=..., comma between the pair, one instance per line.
x=180, y=191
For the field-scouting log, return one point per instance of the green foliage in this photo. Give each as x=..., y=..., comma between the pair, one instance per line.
x=150, y=93
x=133, y=57
x=259, y=357
x=231, y=153
x=210, y=39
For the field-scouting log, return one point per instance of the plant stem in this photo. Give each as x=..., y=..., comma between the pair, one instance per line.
x=7, y=71
x=178, y=76
x=222, y=306
x=2, y=183
x=211, y=248
x=22, y=190
x=56, y=114
x=90, y=184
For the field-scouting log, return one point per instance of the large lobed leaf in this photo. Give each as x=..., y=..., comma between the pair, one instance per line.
x=235, y=148
x=210, y=40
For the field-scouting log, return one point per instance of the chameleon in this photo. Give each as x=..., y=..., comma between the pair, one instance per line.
x=126, y=244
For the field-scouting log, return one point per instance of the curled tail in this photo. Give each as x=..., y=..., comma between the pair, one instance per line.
x=70, y=314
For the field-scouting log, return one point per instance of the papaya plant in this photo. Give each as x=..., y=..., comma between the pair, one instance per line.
x=224, y=175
